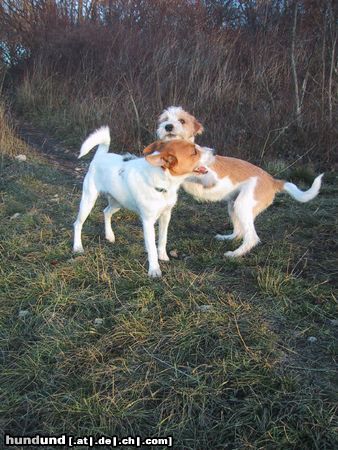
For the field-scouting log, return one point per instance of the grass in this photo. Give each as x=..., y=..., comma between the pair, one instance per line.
x=216, y=353
x=10, y=144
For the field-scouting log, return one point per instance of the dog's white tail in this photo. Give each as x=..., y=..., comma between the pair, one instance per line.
x=304, y=196
x=100, y=137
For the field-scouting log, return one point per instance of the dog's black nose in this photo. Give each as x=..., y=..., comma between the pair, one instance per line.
x=169, y=127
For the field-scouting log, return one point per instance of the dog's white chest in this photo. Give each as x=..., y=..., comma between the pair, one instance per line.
x=222, y=190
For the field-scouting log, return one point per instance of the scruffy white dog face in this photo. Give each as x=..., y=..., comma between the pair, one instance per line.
x=175, y=123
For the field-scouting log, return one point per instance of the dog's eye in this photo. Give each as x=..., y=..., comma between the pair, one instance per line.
x=182, y=121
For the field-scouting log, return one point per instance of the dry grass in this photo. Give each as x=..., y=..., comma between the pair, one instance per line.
x=9, y=143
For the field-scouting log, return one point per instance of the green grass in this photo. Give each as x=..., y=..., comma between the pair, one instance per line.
x=216, y=353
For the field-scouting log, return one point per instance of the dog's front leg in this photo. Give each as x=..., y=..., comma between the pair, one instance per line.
x=163, y=233
x=150, y=243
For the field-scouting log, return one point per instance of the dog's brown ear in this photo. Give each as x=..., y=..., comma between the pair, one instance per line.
x=198, y=127
x=156, y=146
x=165, y=160
x=169, y=160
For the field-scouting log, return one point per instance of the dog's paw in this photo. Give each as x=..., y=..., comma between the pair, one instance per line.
x=155, y=273
x=162, y=256
x=110, y=238
x=78, y=250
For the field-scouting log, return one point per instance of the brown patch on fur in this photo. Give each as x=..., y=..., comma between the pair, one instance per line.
x=279, y=185
x=179, y=156
x=190, y=123
x=264, y=194
x=154, y=147
x=198, y=127
x=238, y=171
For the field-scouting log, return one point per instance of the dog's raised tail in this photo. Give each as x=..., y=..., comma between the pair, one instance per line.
x=100, y=137
x=296, y=193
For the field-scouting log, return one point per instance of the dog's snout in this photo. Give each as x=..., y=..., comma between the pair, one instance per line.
x=169, y=127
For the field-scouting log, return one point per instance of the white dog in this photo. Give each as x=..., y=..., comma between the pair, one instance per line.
x=248, y=189
x=147, y=186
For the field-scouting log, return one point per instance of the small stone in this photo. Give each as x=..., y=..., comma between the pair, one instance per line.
x=98, y=322
x=205, y=308
x=173, y=253
x=15, y=216
x=312, y=339
x=23, y=313
x=21, y=158
x=78, y=169
x=334, y=322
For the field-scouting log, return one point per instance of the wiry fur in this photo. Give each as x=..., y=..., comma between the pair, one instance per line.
x=175, y=123
x=248, y=189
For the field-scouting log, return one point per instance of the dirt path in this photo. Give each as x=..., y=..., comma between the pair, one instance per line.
x=64, y=159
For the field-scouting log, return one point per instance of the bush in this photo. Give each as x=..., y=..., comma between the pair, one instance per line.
x=122, y=64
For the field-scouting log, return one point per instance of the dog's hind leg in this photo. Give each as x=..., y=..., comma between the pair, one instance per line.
x=88, y=199
x=111, y=209
x=244, y=213
x=237, y=233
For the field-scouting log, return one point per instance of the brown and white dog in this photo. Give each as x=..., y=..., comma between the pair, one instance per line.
x=248, y=189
